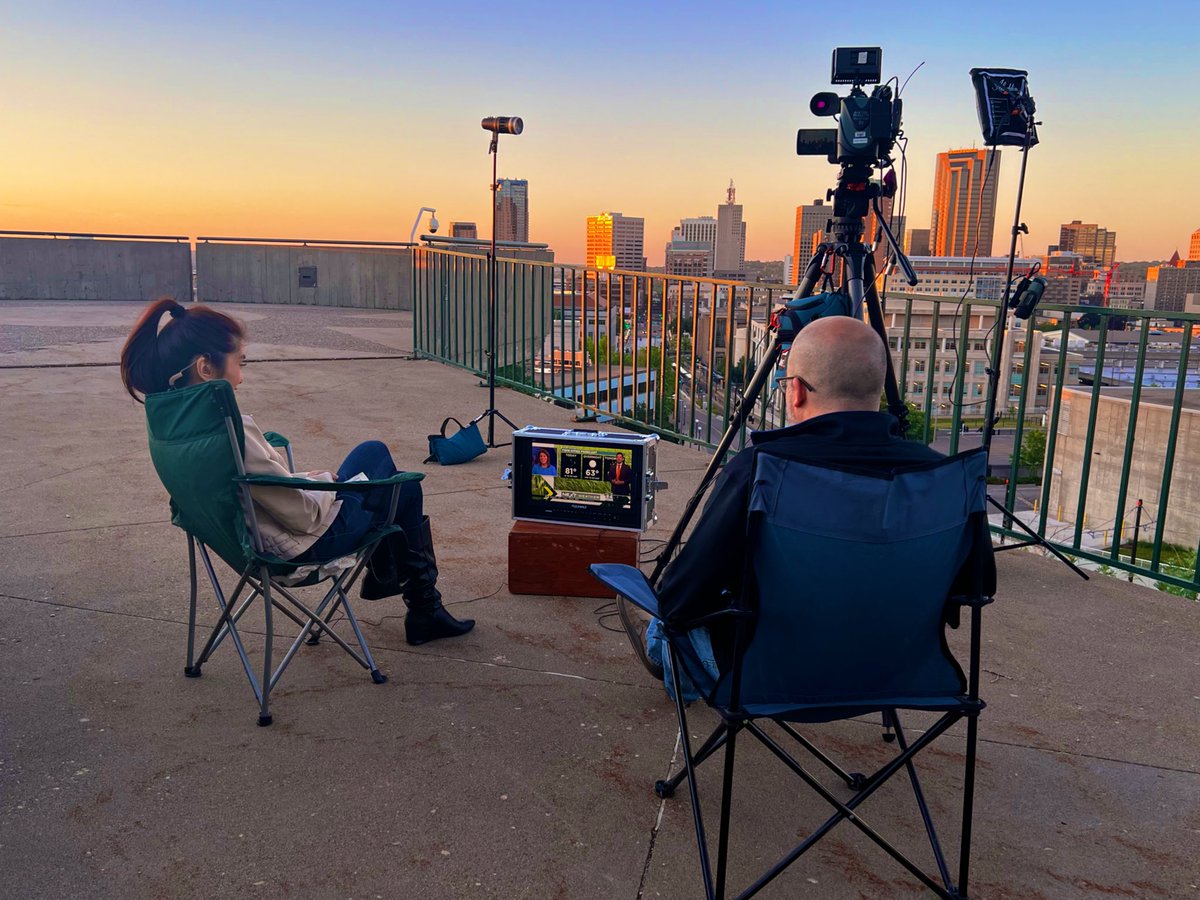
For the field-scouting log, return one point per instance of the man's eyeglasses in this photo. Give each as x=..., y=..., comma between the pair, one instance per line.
x=808, y=387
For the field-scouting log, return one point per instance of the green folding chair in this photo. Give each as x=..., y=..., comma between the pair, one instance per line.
x=197, y=445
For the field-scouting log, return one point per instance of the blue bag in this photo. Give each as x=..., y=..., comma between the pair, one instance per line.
x=460, y=447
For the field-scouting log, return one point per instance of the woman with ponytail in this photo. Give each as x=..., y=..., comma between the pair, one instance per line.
x=198, y=344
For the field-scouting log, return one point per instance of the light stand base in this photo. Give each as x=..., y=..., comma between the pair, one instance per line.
x=492, y=415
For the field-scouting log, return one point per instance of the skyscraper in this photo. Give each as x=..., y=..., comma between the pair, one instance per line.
x=1095, y=245
x=810, y=231
x=466, y=229
x=512, y=209
x=964, y=203
x=729, y=256
x=916, y=242
x=1194, y=247
x=615, y=241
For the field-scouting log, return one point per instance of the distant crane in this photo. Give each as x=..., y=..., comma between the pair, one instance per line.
x=1108, y=279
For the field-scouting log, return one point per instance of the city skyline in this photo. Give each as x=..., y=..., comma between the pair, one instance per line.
x=340, y=124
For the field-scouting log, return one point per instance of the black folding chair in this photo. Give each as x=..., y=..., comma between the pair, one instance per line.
x=850, y=584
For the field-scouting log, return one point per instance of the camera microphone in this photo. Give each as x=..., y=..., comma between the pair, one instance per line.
x=503, y=124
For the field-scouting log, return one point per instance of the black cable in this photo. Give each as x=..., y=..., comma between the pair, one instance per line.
x=608, y=611
x=451, y=603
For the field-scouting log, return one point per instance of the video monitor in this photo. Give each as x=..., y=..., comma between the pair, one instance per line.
x=581, y=478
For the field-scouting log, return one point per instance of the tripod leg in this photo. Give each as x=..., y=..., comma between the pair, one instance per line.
x=741, y=411
x=891, y=389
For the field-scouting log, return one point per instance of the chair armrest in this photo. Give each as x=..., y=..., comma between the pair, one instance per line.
x=630, y=583
x=309, y=485
x=277, y=440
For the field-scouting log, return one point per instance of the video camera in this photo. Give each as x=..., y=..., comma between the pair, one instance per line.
x=867, y=125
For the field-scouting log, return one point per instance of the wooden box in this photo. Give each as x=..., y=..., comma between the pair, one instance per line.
x=553, y=560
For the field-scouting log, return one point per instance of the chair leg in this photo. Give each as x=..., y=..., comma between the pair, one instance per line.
x=930, y=831
x=666, y=787
x=726, y=802
x=689, y=764
x=191, y=670
x=964, y=859
x=264, y=712
x=376, y=676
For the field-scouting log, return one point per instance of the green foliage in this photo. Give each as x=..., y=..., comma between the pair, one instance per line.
x=1033, y=449
x=740, y=373
x=916, y=420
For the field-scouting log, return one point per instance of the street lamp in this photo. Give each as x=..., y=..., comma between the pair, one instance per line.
x=433, y=222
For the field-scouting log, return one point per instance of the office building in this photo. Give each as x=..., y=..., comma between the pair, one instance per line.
x=696, y=232
x=872, y=231
x=615, y=241
x=955, y=276
x=810, y=231
x=729, y=252
x=1096, y=246
x=691, y=259
x=512, y=210
x=916, y=242
x=1194, y=246
x=964, y=203
x=1174, y=284
x=464, y=230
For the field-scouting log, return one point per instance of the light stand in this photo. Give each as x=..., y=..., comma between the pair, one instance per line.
x=509, y=125
x=997, y=364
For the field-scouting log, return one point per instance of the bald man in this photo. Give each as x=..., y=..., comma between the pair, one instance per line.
x=832, y=389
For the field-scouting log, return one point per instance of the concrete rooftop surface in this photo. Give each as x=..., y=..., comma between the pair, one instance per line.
x=518, y=761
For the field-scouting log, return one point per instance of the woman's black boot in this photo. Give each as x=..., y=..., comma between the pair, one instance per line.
x=382, y=578
x=427, y=619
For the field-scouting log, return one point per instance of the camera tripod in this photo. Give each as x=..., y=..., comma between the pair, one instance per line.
x=853, y=198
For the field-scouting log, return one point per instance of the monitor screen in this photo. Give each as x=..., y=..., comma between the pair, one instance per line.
x=576, y=482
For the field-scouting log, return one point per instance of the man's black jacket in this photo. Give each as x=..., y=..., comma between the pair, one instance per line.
x=712, y=560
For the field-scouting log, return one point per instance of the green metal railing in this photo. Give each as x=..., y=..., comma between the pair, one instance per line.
x=670, y=354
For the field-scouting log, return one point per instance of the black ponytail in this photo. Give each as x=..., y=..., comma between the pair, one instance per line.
x=152, y=355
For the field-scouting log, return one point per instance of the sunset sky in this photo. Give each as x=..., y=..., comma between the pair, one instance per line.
x=329, y=121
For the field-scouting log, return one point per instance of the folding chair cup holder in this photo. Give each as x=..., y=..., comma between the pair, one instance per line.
x=197, y=445
x=846, y=639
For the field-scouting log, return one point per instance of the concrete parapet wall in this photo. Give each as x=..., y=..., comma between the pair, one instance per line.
x=81, y=269
x=1182, y=525
x=357, y=277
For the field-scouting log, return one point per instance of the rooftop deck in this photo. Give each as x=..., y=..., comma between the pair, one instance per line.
x=517, y=761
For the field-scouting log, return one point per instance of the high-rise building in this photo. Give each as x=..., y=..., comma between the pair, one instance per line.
x=916, y=242
x=1194, y=246
x=1174, y=284
x=696, y=233
x=1096, y=246
x=615, y=241
x=872, y=231
x=465, y=230
x=512, y=210
x=699, y=228
x=729, y=253
x=810, y=231
x=964, y=203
